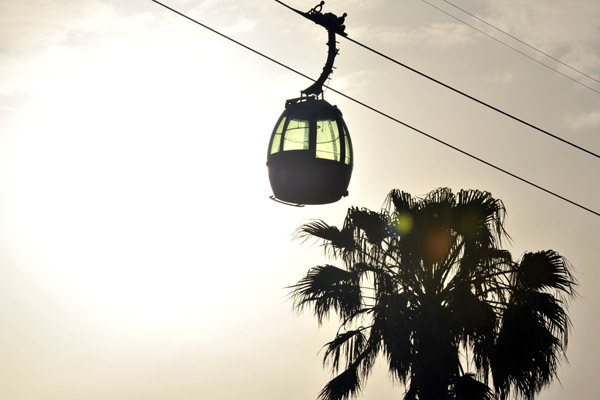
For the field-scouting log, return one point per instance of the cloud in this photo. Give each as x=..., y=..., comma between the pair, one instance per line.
x=42, y=39
x=334, y=5
x=8, y=109
x=354, y=82
x=434, y=35
x=567, y=31
x=241, y=25
x=499, y=78
x=218, y=12
x=584, y=120
x=28, y=25
x=210, y=6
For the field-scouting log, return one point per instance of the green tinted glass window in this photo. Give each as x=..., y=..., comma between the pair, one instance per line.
x=296, y=135
x=328, y=140
x=348, y=152
x=276, y=145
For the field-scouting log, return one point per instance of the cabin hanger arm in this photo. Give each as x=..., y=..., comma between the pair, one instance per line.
x=334, y=25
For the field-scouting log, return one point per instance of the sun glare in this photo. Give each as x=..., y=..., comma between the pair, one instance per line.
x=124, y=213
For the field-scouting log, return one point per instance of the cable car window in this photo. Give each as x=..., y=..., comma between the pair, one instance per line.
x=348, y=156
x=296, y=135
x=328, y=140
x=276, y=145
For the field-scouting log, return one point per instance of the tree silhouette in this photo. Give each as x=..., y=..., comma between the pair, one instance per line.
x=426, y=284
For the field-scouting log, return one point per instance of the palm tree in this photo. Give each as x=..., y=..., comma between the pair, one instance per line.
x=426, y=284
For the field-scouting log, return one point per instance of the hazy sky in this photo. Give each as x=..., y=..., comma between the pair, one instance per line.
x=140, y=255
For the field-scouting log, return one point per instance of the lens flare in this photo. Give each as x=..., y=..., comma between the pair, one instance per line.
x=404, y=223
x=436, y=244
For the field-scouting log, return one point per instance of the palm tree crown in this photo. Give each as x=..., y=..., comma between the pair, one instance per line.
x=426, y=284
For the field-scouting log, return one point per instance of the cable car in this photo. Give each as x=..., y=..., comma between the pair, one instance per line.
x=310, y=155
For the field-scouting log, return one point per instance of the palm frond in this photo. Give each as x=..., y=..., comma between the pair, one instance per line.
x=437, y=208
x=375, y=225
x=437, y=337
x=343, y=386
x=347, y=345
x=429, y=237
x=399, y=353
x=328, y=288
x=545, y=270
x=551, y=310
x=479, y=217
x=466, y=387
x=440, y=196
x=411, y=393
x=363, y=268
x=527, y=352
x=348, y=383
x=486, y=270
x=335, y=240
x=393, y=327
x=401, y=201
x=478, y=321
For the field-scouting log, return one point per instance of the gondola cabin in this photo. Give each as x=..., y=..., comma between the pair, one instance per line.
x=310, y=155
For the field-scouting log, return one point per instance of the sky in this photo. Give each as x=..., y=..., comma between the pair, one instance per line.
x=140, y=254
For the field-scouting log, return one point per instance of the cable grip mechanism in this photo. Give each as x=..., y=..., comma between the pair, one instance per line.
x=334, y=25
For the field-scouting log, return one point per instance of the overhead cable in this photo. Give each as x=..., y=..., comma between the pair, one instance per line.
x=512, y=48
x=522, y=42
x=481, y=102
x=382, y=113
